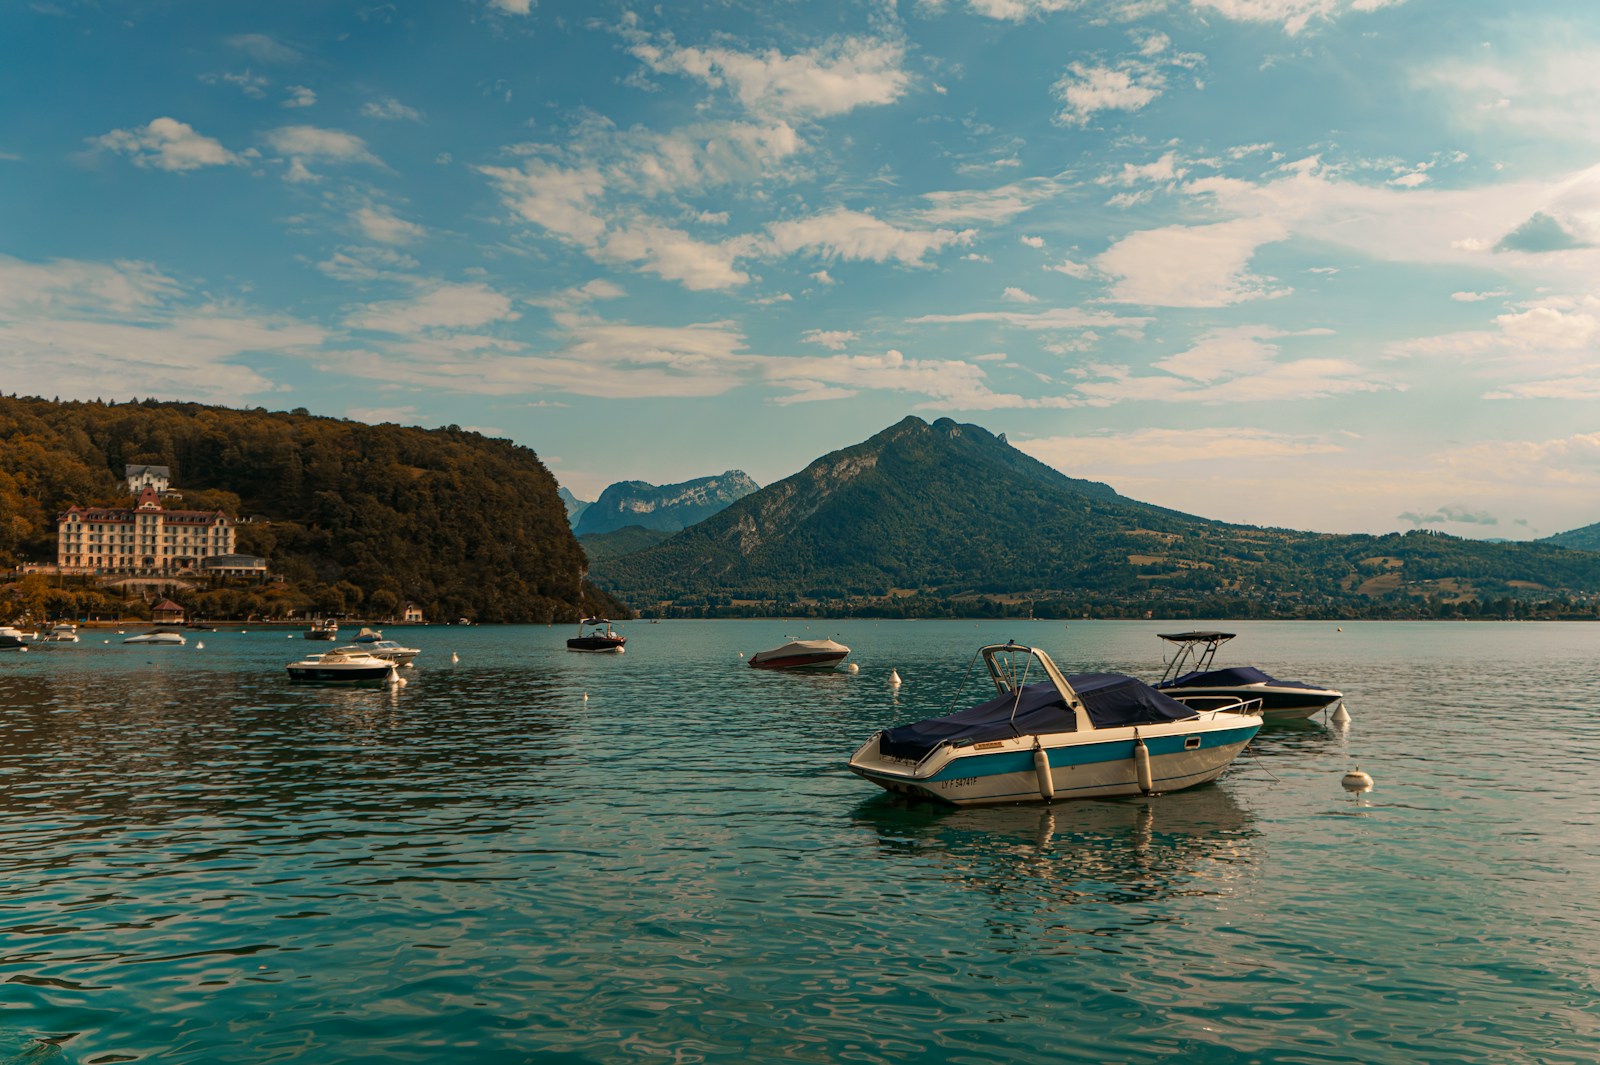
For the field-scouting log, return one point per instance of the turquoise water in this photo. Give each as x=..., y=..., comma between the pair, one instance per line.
x=204, y=863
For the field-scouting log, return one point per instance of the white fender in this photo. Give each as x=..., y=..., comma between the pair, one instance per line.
x=1141, y=764
x=1041, y=769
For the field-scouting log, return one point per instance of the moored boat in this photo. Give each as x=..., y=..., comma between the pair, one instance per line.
x=323, y=629
x=1191, y=678
x=158, y=636
x=1090, y=735
x=12, y=639
x=61, y=632
x=596, y=636
x=341, y=667
x=371, y=641
x=801, y=654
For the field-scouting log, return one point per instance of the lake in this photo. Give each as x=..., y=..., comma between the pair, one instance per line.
x=530, y=855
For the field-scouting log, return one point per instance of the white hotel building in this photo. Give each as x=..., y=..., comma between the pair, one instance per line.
x=145, y=539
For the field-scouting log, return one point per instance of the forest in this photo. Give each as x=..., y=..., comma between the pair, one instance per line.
x=354, y=519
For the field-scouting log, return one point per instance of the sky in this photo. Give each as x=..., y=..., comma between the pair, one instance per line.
x=1329, y=265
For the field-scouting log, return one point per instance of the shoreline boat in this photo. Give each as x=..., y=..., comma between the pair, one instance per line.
x=342, y=667
x=801, y=654
x=323, y=629
x=1090, y=735
x=61, y=632
x=158, y=636
x=12, y=639
x=596, y=636
x=371, y=641
x=1191, y=678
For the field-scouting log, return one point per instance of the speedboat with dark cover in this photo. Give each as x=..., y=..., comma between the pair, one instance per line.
x=12, y=639
x=1089, y=735
x=801, y=654
x=1191, y=678
x=342, y=667
x=371, y=641
x=596, y=636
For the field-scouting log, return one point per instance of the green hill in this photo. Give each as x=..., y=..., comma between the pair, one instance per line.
x=355, y=518
x=949, y=519
x=1584, y=539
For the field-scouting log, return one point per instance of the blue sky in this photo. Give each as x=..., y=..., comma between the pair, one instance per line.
x=1323, y=264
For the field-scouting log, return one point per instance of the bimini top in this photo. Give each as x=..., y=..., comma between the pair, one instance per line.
x=1112, y=700
x=1196, y=637
x=1232, y=677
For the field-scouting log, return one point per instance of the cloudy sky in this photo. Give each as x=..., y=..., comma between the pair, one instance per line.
x=1323, y=264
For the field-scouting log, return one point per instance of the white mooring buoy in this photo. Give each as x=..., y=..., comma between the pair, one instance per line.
x=1357, y=781
x=894, y=678
x=585, y=696
x=200, y=645
x=1341, y=716
x=454, y=658
x=852, y=668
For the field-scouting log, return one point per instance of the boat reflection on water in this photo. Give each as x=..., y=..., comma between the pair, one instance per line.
x=1198, y=842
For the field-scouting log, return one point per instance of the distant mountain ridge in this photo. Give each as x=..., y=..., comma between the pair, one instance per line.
x=1585, y=539
x=668, y=507
x=951, y=514
x=575, y=506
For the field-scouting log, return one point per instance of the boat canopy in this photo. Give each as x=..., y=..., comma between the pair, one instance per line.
x=1196, y=637
x=1112, y=699
x=1232, y=677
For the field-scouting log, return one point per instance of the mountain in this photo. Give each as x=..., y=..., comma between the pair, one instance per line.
x=575, y=506
x=1584, y=539
x=948, y=519
x=352, y=517
x=667, y=507
x=623, y=541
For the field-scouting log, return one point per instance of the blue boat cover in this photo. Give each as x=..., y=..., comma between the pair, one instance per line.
x=1112, y=700
x=1232, y=678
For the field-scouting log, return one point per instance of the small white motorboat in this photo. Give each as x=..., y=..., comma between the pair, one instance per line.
x=372, y=642
x=158, y=636
x=801, y=654
x=342, y=667
x=1091, y=735
x=12, y=639
x=61, y=632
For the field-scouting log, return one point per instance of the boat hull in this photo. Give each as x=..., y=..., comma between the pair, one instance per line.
x=596, y=645
x=1277, y=703
x=333, y=675
x=815, y=660
x=1098, y=767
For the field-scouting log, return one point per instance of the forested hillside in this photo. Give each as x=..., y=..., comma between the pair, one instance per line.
x=357, y=518
x=942, y=519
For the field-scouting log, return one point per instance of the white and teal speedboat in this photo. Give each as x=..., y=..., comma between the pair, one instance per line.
x=1048, y=736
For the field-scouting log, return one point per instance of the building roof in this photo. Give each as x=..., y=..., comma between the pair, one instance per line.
x=139, y=470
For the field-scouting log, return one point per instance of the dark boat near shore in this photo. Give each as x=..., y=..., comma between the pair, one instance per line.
x=596, y=636
x=1201, y=685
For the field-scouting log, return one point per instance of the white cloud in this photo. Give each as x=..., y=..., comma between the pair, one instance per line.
x=303, y=144
x=831, y=79
x=1055, y=319
x=82, y=330
x=1031, y=242
x=846, y=234
x=381, y=225
x=512, y=7
x=366, y=264
x=1161, y=447
x=300, y=96
x=1086, y=89
x=1236, y=365
x=1545, y=350
x=167, y=144
x=1072, y=269
x=251, y=84
x=675, y=255
x=1017, y=295
x=1547, y=91
x=264, y=49
x=989, y=205
x=560, y=199
x=445, y=307
x=1190, y=266
x=833, y=340
x=1292, y=15
x=1020, y=10
x=388, y=109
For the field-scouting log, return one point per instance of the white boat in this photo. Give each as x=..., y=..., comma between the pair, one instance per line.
x=158, y=636
x=12, y=639
x=1091, y=735
x=371, y=641
x=62, y=632
x=801, y=654
x=342, y=667
x=323, y=629
x=1189, y=677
